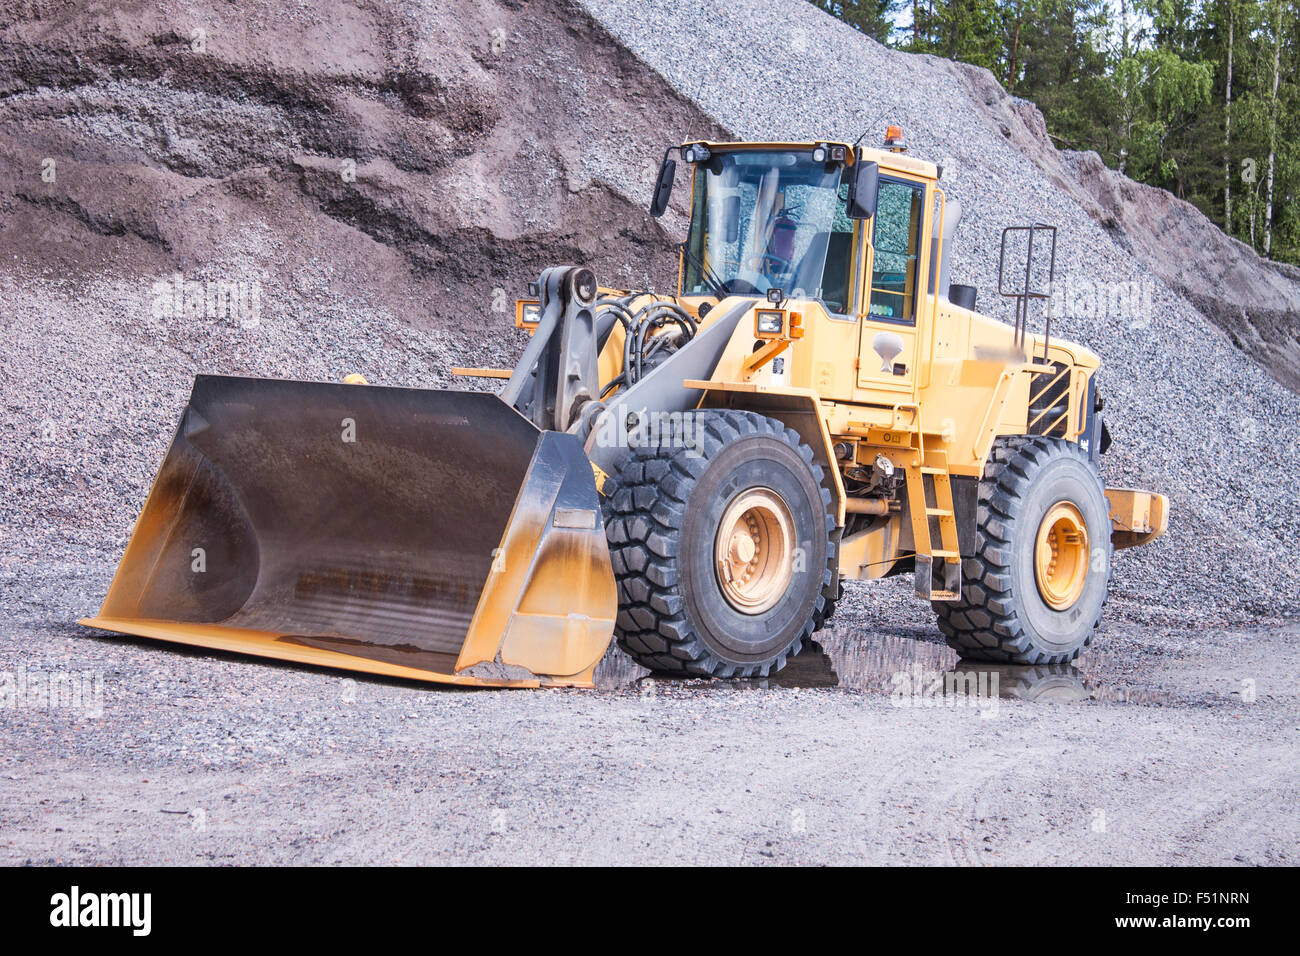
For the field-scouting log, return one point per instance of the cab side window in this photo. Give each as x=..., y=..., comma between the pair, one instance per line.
x=896, y=239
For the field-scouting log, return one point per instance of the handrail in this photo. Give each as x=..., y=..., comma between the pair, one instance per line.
x=1082, y=393
x=914, y=407
x=1026, y=292
x=986, y=425
x=937, y=259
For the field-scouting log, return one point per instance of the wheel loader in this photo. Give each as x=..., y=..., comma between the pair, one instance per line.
x=693, y=473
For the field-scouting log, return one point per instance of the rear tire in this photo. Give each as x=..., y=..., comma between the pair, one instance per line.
x=682, y=607
x=1014, y=609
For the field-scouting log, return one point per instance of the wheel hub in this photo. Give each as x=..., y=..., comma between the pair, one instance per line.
x=754, y=550
x=1061, y=555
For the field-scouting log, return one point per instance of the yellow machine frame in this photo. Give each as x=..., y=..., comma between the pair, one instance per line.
x=966, y=384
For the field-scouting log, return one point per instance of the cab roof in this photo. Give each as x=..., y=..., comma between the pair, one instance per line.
x=888, y=159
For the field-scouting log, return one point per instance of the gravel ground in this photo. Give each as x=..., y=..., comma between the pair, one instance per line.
x=1151, y=752
x=1177, y=746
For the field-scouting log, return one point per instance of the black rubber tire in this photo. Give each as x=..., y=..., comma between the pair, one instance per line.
x=663, y=506
x=1001, y=616
x=833, y=592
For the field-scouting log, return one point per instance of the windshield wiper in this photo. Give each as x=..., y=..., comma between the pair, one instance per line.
x=718, y=288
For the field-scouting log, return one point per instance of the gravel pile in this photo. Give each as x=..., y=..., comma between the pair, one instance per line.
x=1192, y=416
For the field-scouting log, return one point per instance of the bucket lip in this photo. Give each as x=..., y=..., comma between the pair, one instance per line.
x=243, y=641
x=418, y=389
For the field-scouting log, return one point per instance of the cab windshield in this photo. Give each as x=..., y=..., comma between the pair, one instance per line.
x=764, y=219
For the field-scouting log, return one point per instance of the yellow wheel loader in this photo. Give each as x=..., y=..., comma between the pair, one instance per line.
x=695, y=473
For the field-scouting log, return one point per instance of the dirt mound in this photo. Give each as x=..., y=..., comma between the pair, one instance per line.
x=1257, y=302
x=432, y=153
x=298, y=191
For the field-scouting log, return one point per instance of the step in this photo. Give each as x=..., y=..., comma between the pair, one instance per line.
x=939, y=512
x=944, y=596
x=931, y=470
x=952, y=555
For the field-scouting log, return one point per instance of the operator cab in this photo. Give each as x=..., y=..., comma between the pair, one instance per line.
x=798, y=217
x=771, y=218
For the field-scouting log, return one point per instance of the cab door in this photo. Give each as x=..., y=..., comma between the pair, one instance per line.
x=887, y=346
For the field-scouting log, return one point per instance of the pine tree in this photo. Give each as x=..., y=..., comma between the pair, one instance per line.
x=872, y=17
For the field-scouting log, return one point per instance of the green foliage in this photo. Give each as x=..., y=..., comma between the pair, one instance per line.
x=872, y=17
x=1155, y=91
x=1145, y=84
x=966, y=30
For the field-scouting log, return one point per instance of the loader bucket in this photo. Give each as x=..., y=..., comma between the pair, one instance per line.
x=433, y=535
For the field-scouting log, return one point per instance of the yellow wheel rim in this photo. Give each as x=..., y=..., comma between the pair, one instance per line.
x=754, y=550
x=1061, y=555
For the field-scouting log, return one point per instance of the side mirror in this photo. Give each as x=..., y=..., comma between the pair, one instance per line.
x=663, y=187
x=862, y=190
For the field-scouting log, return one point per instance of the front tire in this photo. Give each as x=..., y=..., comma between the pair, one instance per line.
x=721, y=545
x=1034, y=589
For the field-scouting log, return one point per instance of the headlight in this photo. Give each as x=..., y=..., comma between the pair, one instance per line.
x=527, y=314
x=769, y=323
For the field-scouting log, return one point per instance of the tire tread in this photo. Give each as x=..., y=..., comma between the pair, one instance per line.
x=644, y=512
x=985, y=624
